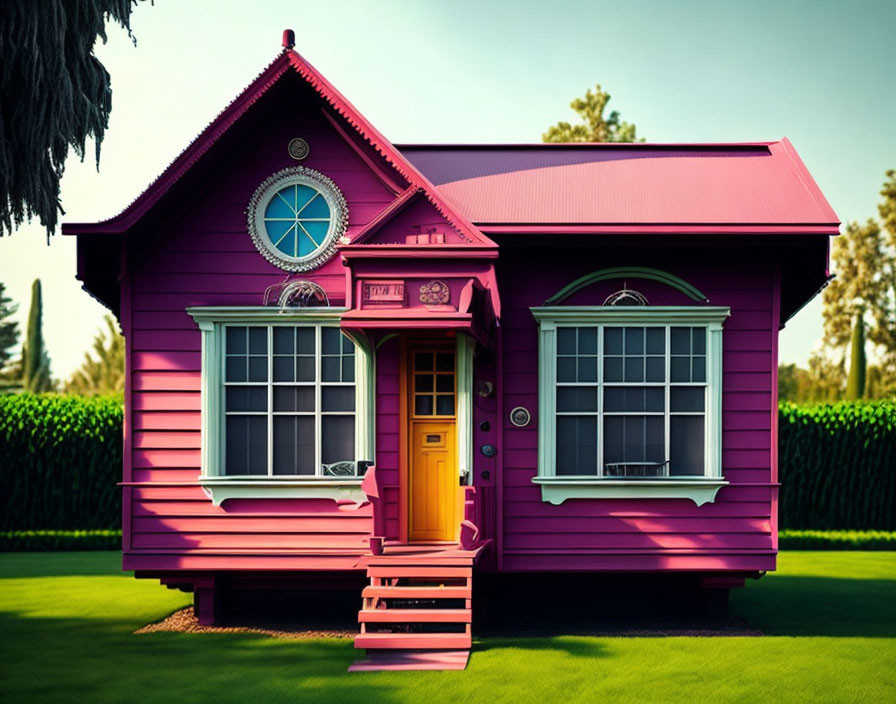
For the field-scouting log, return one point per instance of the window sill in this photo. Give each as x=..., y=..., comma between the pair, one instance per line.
x=220, y=489
x=700, y=490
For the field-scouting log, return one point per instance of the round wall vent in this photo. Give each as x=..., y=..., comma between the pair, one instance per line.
x=520, y=417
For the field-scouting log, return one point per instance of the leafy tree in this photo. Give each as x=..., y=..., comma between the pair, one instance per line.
x=826, y=377
x=857, y=255
x=9, y=332
x=864, y=293
x=55, y=94
x=104, y=373
x=823, y=380
x=596, y=127
x=35, y=362
x=884, y=333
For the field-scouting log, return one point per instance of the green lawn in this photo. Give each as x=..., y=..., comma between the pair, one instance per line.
x=67, y=621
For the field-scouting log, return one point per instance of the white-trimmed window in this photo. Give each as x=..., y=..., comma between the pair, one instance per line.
x=630, y=402
x=287, y=402
x=296, y=217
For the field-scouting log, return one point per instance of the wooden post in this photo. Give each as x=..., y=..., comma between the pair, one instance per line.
x=210, y=600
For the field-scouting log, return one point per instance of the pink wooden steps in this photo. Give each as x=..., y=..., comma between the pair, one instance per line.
x=417, y=612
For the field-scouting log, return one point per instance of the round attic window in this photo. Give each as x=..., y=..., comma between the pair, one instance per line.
x=296, y=217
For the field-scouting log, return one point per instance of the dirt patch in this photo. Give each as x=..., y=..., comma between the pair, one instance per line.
x=185, y=621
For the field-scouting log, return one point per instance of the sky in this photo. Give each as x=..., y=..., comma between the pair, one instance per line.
x=817, y=72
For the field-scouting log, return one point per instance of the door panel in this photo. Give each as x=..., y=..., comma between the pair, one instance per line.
x=433, y=481
x=432, y=432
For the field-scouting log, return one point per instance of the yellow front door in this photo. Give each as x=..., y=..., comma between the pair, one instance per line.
x=433, y=438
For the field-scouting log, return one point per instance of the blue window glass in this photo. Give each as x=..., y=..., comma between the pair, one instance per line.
x=297, y=220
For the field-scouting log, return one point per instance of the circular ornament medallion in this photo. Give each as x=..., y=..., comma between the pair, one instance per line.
x=296, y=217
x=298, y=148
x=434, y=293
x=520, y=417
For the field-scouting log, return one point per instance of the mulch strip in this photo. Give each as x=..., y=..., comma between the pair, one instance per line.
x=185, y=621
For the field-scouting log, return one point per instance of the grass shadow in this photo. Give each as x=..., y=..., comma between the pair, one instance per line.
x=100, y=660
x=784, y=605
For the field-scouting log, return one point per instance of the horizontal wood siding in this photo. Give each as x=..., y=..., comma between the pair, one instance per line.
x=205, y=257
x=387, y=425
x=631, y=534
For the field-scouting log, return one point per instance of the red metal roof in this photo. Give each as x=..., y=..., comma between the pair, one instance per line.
x=634, y=184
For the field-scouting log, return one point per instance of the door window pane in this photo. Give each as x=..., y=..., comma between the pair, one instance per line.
x=423, y=383
x=445, y=405
x=423, y=405
x=445, y=362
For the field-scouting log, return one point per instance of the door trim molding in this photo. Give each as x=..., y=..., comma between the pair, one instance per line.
x=404, y=504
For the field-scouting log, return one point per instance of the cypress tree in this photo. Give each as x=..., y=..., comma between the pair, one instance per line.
x=9, y=333
x=35, y=362
x=855, y=383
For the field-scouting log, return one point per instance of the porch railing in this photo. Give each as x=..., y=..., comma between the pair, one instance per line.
x=469, y=525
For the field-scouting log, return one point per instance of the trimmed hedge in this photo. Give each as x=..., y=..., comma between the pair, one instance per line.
x=836, y=540
x=60, y=461
x=837, y=466
x=46, y=540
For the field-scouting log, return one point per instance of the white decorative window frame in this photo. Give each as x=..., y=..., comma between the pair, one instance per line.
x=557, y=489
x=269, y=188
x=219, y=487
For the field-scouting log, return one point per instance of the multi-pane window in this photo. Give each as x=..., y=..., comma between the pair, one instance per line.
x=434, y=383
x=289, y=400
x=630, y=400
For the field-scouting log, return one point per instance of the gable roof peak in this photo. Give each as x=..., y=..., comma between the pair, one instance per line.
x=288, y=58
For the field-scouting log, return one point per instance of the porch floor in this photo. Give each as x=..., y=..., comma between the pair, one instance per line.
x=443, y=553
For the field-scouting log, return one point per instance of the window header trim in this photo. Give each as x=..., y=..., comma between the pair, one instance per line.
x=631, y=315
x=208, y=315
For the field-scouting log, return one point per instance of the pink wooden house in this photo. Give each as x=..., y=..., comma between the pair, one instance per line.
x=428, y=362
